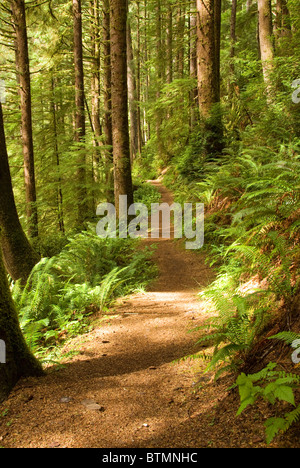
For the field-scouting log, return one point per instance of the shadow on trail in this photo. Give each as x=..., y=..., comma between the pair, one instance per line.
x=124, y=362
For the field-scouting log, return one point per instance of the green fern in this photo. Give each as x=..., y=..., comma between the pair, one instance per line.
x=109, y=285
x=287, y=336
x=234, y=329
x=87, y=275
x=272, y=386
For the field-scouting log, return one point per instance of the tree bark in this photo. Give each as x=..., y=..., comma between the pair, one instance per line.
x=119, y=100
x=232, y=39
x=79, y=113
x=208, y=73
x=266, y=43
x=282, y=25
x=107, y=126
x=138, y=83
x=95, y=82
x=19, y=256
x=180, y=39
x=207, y=67
x=193, y=69
x=248, y=5
x=217, y=35
x=160, y=75
x=23, y=75
x=59, y=197
x=19, y=361
x=95, y=89
x=132, y=98
x=147, y=126
x=107, y=73
x=169, y=51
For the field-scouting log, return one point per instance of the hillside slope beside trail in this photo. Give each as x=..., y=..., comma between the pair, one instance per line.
x=130, y=386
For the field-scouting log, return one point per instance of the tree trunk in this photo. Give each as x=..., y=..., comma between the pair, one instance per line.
x=208, y=73
x=193, y=69
x=233, y=41
x=79, y=113
x=119, y=99
x=95, y=89
x=23, y=74
x=19, y=362
x=169, y=51
x=19, y=256
x=282, y=25
x=266, y=43
x=95, y=82
x=138, y=83
x=180, y=38
x=248, y=5
x=159, y=74
x=147, y=126
x=107, y=73
x=59, y=197
x=107, y=127
x=208, y=79
x=132, y=98
x=217, y=34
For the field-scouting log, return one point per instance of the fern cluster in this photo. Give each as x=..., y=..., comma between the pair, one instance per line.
x=235, y=323
x=86, y=276
x=272, y=386
x=252, y=230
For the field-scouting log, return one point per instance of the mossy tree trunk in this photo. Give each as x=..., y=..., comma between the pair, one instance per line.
x=19, y=256
x=282, y=23
x=23, y=74
x=80, y=129
x=119, y=100
x=19, y=361
x=208, y=74
x=132, y=97
x=107, y=123
x=193, y=70
x=95, y=119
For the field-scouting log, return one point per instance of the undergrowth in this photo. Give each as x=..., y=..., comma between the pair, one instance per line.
x=252, y=205
x=83, y=279
x=273, y=386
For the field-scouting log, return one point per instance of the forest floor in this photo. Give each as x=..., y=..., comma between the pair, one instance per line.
x=130, y=385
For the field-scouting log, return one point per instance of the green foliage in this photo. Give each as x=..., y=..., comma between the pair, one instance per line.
x=251, y=233
x=146, y=194
x=85, y=277
x=147, y=167
x=271, y=386
x=234, y=326
x=191, y=162
x=288, y=337
x=252, y=205
x=174, y=104
x=48, y=246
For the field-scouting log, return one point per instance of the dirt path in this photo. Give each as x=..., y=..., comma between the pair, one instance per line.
x=126, y=387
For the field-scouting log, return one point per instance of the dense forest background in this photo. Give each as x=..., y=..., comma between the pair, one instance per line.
x=101, y=96
x=162, y=79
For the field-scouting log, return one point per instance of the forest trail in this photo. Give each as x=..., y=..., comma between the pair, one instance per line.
x=128, y=388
